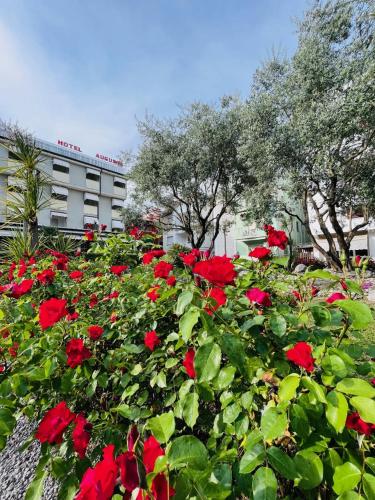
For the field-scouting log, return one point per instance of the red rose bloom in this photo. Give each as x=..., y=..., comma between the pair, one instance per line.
x=51, y=311
x=162, y=269
x=76, y=352
x=19, y=289
x=149, y=256
x=54, y=424
x=89, y=235
x=151, y=340
x=354, y=421
x=297, y=295
x=81, y=436
x=217, y=270
x=171, y=281
x=152, y=294
x=260, y=253
x=343, y=285
x=76, y=275
x=151, y=451
x=314, y=291
x=118, y=270
x=189, y=259
x=276, y=238
x=335, y=296
x=218, y=299
x=159, y=488
x=46, y=277
x=6, y=288
x=127, y=463
x=95, y=332
x=93, y=300
x=188, y=362
x=72, y=316
x=136, y=233
x=257, y=296
x=103, y=227
x=13, y=349
x=112, y=295
x=99, y=483
x=300, y=355
x=358, y=260
x=22, y=269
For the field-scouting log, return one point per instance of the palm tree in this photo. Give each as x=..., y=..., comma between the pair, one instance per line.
x=26, y=198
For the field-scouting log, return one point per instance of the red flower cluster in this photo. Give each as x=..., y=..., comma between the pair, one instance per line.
x=335, y=296
x=151, y=340
x=76, y=275
x=257, y=296
x=188, y=362
x=46, y=277
x=162, y=269
x=54, y=424
x=95, y=332
x=300, y=355
x=171, y=281
x=76, y=352
x=152, y=294
x=189, y=259
x=136, y=233
x=89, y=235
x=276, y=238
x=51, y=311
x=118, y=270
x=98, y=483
x=217, y=270
x=218, y=299
x=260, y=253
x=354, y=421
x=93, y=300
x=81, y=436
x=19, y=289
x=153, y=254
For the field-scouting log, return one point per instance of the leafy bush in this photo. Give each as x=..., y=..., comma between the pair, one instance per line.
x=218, y=379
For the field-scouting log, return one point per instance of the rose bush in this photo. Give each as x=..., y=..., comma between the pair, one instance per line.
x=156, y=376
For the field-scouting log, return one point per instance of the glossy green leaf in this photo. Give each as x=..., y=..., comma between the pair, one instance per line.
x=346, y=477
x=316, y=389
x=35, y=488
x=365, y=407
x=190, y=409
x=356, y=387
x=288, y=387
x=264, y=484
x=183, y=301
x=254, y=455
x=162, y=426
x=321, y=274
x=310, y=468
x=282, y=462
x=7, y=422
x=369, y=485
x=337, y=410
x=359, y=312
x=188, y=321
x=278, y=324
x=188, y=451
x=273, y=423
x=224, y=378
x=207, y=362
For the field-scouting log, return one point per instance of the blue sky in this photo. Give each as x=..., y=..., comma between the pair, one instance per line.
x=83, y=70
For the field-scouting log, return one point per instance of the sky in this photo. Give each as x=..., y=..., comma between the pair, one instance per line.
x=85, y=71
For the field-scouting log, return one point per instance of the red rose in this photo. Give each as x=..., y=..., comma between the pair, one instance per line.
x=160, y=487
x=22, y=269
x=344, y=285
x=46, y=277
x=19, y=289
x=149, y=256
x=118, y=270
x=51, y=311
x=76, y=352
x=93, y=300
x=54, y=424
x=297, y=295
x=76, y=275
x=217, y=270
x=372, y=381
x=103, y=227
x=89, y=235
x=136, y=233
x=72, y=316
x=99, y=483
x=151, y=340
x=358, y=260
x=132, y=438
x=218, y=298
x=260, y=253
x=314, y=291
x=81, y=436
x=189, y=259
x=152, y=294
x=188, y=362
x=335, y=296
x=162, y=269
x=127, y=463
x=354, y=421
x=112, y=295
x=13, y=349
x=276, y=238
x=300, y=355
x=95, y=332
x=6, y=288
x=151, y=451
x=257, y=296
x=171, y=281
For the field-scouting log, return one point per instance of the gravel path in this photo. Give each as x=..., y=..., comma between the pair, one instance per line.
x=17, y=468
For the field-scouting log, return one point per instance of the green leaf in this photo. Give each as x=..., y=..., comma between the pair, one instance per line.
x=234, y=349
x=184, y=300
x=365, y=407
x=68, y=489
x=288, y=387
x=371, y=463
x=337, y=410
x=188, y=321
x=320, y=274
x=350, y=495
x=310, y=468
x=334, y=365
x=278, y=324
x=359, y=312
x=331, y=460
x=264, y=484
x=161, y=381
x=254, y=455
x=282, y=462
x=369, y=485
x=224, y=378
x=231, y=412
x=316, y=389
x=190, y=409
x=35, y=488
x=162, y=426
x=356, y=387
x=273, y=423
x=7, y=422
x=207, y=362
x=346, y=477
x=321, y=315
x=187, y=451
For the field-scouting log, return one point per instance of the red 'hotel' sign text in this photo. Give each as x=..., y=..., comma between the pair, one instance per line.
x=68, y=145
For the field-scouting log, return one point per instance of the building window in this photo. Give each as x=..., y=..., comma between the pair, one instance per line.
x=119, y=186
x=61, y=171
x=93, y=179
x=58, y=219
x=91, y=204
x=117, y=206
x=117, y=226
x=90, y=222
x=59, y=198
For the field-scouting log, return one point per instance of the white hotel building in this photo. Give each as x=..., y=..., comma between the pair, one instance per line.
x=82, y=189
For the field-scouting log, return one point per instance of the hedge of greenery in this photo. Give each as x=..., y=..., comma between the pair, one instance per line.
x=156, y=376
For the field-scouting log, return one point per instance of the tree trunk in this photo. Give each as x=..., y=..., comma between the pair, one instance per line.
x=33, y=231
